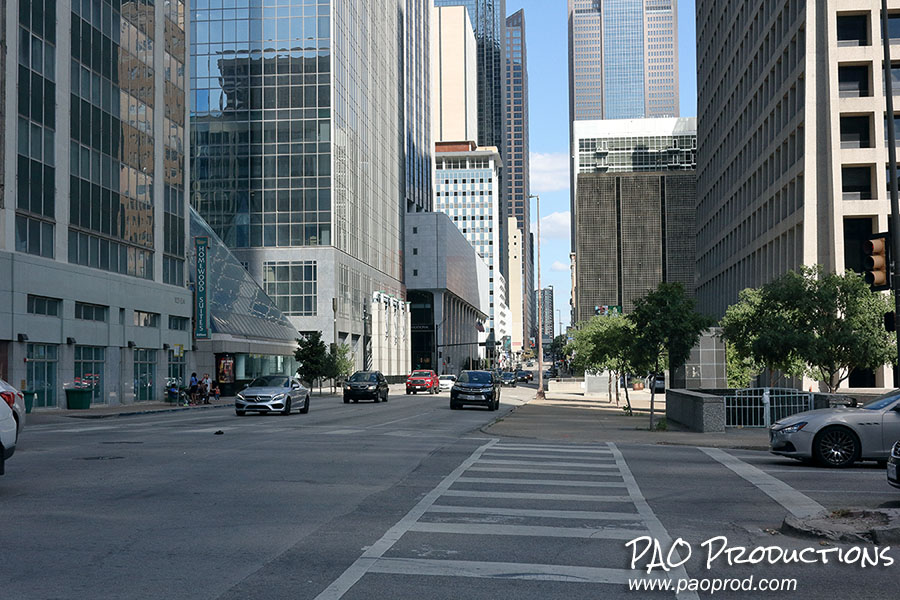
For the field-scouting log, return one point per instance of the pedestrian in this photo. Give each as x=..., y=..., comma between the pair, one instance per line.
x=194, y=388
x=207, y=387
x=216, y=392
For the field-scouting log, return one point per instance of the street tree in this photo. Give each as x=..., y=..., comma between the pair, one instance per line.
x=558, y=346
x=312, y=357
x=666, y=328
x=339, y=364
x=604, y=344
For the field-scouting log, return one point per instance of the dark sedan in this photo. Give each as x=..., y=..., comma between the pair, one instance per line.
x=476, y=387
x=508, y=379
x=366, y=385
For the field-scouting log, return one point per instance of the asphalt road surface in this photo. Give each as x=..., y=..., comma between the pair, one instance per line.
x=399, y=500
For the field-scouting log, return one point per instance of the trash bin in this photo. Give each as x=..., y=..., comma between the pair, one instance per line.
x=30, y=397
x=79, y=398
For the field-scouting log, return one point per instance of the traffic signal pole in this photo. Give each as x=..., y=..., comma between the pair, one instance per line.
x=892, y=166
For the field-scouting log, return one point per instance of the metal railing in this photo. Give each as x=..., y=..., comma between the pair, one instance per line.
x=760, y=407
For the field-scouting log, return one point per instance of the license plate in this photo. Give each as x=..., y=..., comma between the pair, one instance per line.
x=892, y=471
x=471, y=397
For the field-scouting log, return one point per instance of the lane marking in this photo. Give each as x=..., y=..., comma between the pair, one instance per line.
x=526, y=512
x=354, y=572
x=556, y=482
x=548, y=449
x=596, y=459
x=798, y=504
x=424, y=414
x=546, y=471
x=585, y=466
x=342, y=431
x=657, y=530
x=600, y=533
x=501, y=570
x=531, y=496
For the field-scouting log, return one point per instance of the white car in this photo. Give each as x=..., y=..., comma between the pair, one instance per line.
x=7, y=434
x=16, y=401
x=447, y=382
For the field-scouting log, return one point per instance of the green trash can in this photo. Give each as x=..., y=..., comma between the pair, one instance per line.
x=30, y=397
x=79, y=398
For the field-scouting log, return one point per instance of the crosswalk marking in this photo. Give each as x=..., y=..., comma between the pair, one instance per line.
x=606, y=473
x=594, y=459
x=558, y=482
x=608, y=533
x=594, y=515
x=534, y=496
x=497, y=449
x=608, y=465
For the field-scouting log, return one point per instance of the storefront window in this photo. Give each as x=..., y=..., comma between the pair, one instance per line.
x=89, y=369
x=40, y=373
x=176, y=367
x=144, y=374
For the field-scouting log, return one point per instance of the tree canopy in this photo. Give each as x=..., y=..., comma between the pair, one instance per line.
x=312, y=357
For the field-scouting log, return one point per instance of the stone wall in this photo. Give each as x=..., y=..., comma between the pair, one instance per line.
x=698, y=411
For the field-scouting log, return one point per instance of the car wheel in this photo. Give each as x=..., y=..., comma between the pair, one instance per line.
x=836, y=447
x=346, y=400
x=240, y=413
x=454, y=405
x=376, y=398
x=287, y=408
x=305, y=408
x=408, y=392
x=385, y=397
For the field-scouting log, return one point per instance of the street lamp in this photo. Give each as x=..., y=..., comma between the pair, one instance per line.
x=540, y=309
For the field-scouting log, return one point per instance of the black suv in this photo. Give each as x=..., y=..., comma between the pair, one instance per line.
x=366, y=384
x=476, y=387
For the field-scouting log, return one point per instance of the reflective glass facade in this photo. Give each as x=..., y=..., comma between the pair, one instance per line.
x=623, y=54
x=417, y=104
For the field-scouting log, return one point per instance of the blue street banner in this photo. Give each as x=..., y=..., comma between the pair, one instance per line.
x=201, y=305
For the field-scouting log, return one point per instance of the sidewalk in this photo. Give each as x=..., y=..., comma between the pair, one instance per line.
x=579, y=419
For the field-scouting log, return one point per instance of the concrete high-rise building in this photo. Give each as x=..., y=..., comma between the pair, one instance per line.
x=792, y=145
x=544, y=298
x=454, y=75
x=310, y=145
x=635, y=198
x=517, y=171
x=516, y=288
x=93, y=229
x=623, y=59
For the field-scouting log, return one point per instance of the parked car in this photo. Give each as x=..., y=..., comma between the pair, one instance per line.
x=522, y=376
x=16, y=401
x=476, y=387
x=892, y=464
x=657, y=383
x=364, y=385
x=446, y=382
x=272, y=393
x=508, y=379
x=422, y=381
x=7, y=435
x=838, y=437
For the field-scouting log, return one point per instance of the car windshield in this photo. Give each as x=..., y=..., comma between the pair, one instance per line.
x=360, y=376
x=882, y=401
x=474, y=377
x=508, y=376
x=448, y=377
x=421, y=374
x=271, y=381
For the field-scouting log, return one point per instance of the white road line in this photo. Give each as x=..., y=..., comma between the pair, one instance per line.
x=82, y=429
x=592, y=515
x=798, y=504
x=342, y=431
x=548, y=449
x=598, y=533
x=556, y=482
x=528, y=496
x=595, y=459
x=500, y=570
x=546, y=471
x=585, y=466
x=657, y=530
x=354, y=572
x=417, y=416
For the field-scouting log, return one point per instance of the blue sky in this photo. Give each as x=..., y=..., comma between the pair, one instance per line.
x=547, y=46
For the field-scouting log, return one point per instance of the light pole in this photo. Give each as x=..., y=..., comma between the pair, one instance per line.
x=892, y=165
x=540, y=310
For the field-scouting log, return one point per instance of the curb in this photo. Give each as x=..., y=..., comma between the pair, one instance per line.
x=149, y=411
x=850, y=529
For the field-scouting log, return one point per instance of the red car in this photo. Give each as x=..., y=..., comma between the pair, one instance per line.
x=423, y=381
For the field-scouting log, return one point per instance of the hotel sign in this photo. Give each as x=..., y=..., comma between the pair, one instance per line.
x=201, y=303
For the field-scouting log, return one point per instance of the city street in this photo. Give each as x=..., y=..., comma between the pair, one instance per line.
x=404, y=499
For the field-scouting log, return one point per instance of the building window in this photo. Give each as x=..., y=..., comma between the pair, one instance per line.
x=90, y=312
x=856, y=183
x=146, y=319
x=292, y=286
x=144, y=374
x=853, y=81
x=39, y=305
x=178, y=323
x=89, y=368
x=853, y=30
x=855, y=132
x=40, y=373
x=176, y=368
x=34, y=236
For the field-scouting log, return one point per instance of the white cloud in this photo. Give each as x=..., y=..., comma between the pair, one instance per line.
x=549, y=172
x=558, y=266
x=555, y=226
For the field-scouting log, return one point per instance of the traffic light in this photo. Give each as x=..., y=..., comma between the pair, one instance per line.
x=877, y=261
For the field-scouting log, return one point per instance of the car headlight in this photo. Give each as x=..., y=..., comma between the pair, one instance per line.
x=895, y=452
x=792, y=428
x=278, y=397
x=346, y=386
x=240, y=396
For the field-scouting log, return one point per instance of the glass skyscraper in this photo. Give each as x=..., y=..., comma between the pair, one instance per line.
x=306, y=149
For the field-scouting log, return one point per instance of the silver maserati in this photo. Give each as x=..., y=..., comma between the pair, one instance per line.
x=838, y=437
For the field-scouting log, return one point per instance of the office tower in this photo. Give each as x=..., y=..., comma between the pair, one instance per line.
x=467, y=189
x=306, y=141
x=792, y=147
x=454, y=75
x=635, y=198
x=517, y=168
x=545, y=296
x=92, y=258
x=516, y=288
